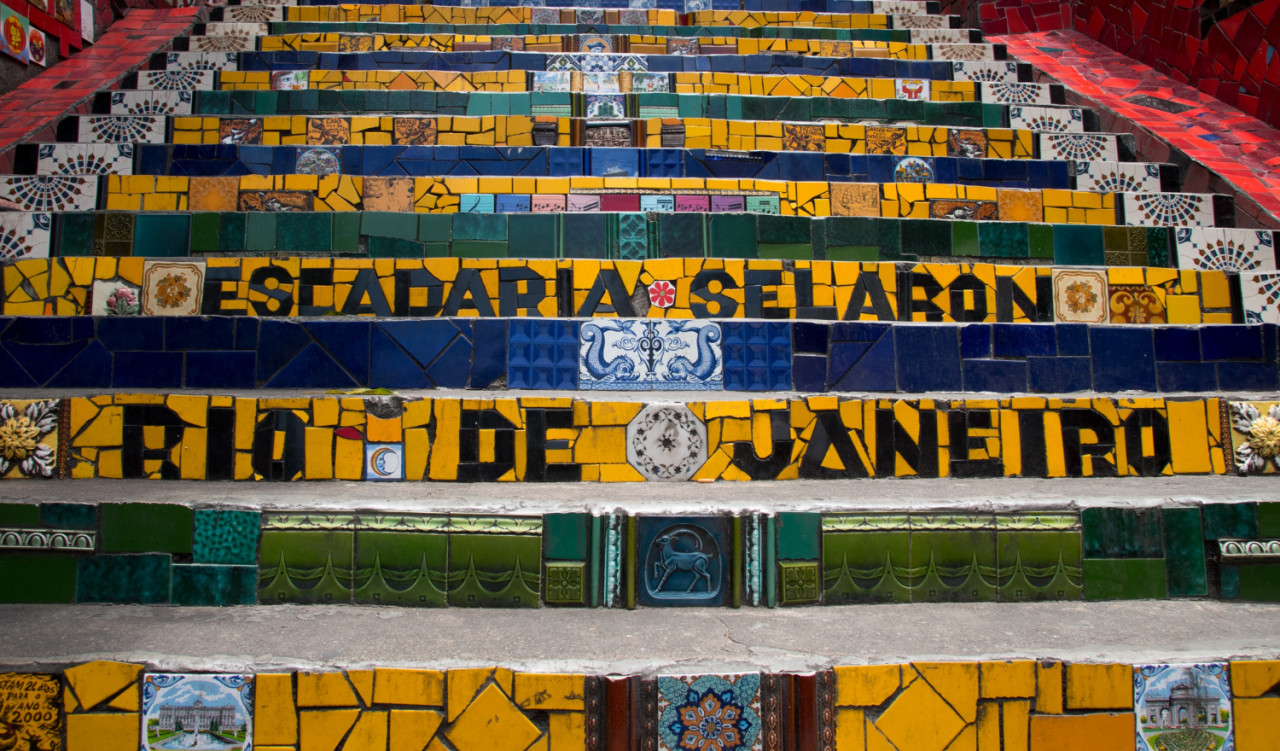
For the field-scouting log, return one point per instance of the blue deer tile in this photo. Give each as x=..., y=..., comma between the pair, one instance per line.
x=684, y=561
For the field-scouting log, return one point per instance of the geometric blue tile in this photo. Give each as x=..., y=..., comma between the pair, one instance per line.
x=347, y=342
x=542, y=354
x=1059, y=375
x=391, y=366
x=313, y=368
x=1000, y=376
x=862, y=358
x=757, y=355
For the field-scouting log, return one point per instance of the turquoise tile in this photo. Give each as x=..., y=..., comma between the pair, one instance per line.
x=161, y=235
x=1230, y=520
x=799, y=536
x=1122, y=533
x=564, y=536
x=304, y=231
x=226, y=536
x=202, y=584
x=123, y=578
x=1184, y=553
x=69, y=515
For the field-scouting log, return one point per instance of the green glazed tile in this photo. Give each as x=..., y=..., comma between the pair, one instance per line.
x=1124, y=579
x=479, y=249
x=69, y=515
x=533, y=235
x=732, y=236
x=784, y=230
x=1230, y=520
x=853, y=252
x=305, y=566
x=1122, y=533
x=1184, y=553
x=566, y=583
x=798, y=582
x=799, y=535
x=395, y=247
x=953, y=566
x=797, y=252
x=346, y=231
x=19, y=515
x=214, y=102
x=866, y=567
x=926, y=237
x=475, y=226
x=202, y=584
x=1040, y=240
x=37, y=577
x=75, y=233
x=123, y=578
x=232, y=229
x=1077, y=245
x=260, y=231
x=1260, y=582
x=1269, y=519
x=161, y=235
x=964, y=239
x=851, y=230
x=401, y=568
x=145, y=528
x=405, y=226
x=1038, y=565
x=1003, y=239
x=205, y=232
x=495, y=570
x=435, y=227
x=1158, y=246
x=304, y=231
x=1229, y=582
x=226, y=536
x=564, y=536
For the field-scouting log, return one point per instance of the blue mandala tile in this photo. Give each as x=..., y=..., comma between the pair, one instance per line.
x=542, y=354
x=662, y=355
x=757, y=356
x=709, y=712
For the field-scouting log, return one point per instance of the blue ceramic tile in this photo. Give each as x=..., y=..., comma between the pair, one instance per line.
x=312, y=368
x=192, y=332
x=809, y=337
x=221, y=370
x=92, y=367
x=148, y=370
x=1177, y=343
x=123, y=578
x=132, y=332
x=1023, y=339
x=1231, y=342
x=1248, y=376
x=203, y=584
x=489, y=361
x=391, y=366
x=685, y=561
x=862, y=358
x=809, y=372
x=928, y=358
x=975, y=341
x=1073, y=339
x=757, y=356
x=282, y=341
x=1123, y=358
x=347, y=342
x=1001, y=376
x=542, y=354
x=665, y=355
x=1048, y=375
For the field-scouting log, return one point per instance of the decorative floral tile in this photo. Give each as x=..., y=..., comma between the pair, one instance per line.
x=666, y=442
x=544, y=16
x=197, y=711
x=1136, y=303
x=939, y=36
x=85, y=159
x=1167, y=209
x=384, y=461
x=984, y=70
x=963, y=52
x=202, y=61
x=1255, y=436
x=24, y=235
x=664, y=355
x=42, y=193
x=1259, y=294
x=230, y=42
x=112, y=297
x=1225, y=249
x=709, y=712
x=919, y=21
x=172, y=288
x=175, y=80
x=29, y=438
x=1079, y=147
x=1015, y=93
x=606, y=106
x=1183, y=707
x=1079, y=296
x=253, y=13
x=1047, y=119
x=151, y=102
x=1117, y=177
x=911, y=89
x=122, y=129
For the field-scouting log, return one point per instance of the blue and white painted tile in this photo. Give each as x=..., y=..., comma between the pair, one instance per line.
x=664, y=355
x=201, y=61
x=709, y=711
x=1167, y=209
x=984, y=70
x=124, y=129
x=1016, y=93
x=176, y=80
x=552, y=81
x=253, y=13
x=51, y=192
x=24, y=235
x=963, y=51
x=1183, y=706
x=178, y=710
x=1080, y=147
x=85, y=159
x=938, y=36
x=1260, y=295
x=1118, y=177
x=151, y=102
x=1047, y=119
x=1225, y=249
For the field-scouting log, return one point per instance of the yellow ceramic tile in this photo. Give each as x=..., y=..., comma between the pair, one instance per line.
x=103, y=732
x=1255, y=722
x=412, y=729
x=409, y=687
x=369, y=733
x=1095, y=732
x=1252, y=678
x=362, y=680
x=491, y=721
x=919, y=719
x=95, y=682
x=274, y=713
x=851, y=734
x=325, y=690
x=1049, y=687
x=988, y=727
x=561, y=691
x=956, y=682
x=464, y=684
x=324, y=729
x=567, y=731
x=1008, y=679
x=125, y=701
x=1103, y=686
x=1013, y=724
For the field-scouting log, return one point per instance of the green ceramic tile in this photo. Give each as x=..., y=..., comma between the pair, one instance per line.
x=395, y=247
x=732, y=236
x=123, y=578
x=890, y=240
x=1077, y=245
x=204, y=232
x=1040, y=240
x=390, y=224
x=37, y=577
x=851, y=230
x=202, y=584
x=1158, y=246
x=161, y=235
x=533, y=235
x=260, y=231
x=1003, y=240
x=305, y=566
x=474, y=226
x=1122, y=533
x=401, y=568
x=75, y=233
x=1038, y=565
x=953, y=565
x=1184, y=553
x=304, y=231
x=566, y=583
x=430, y=250
x=1115, y=238
x=1260, y=582
x=798, y=582
x=799, y=535
x=784, y=230
x=1230, y=520
x=1269, y=520
x=926, y=237
x=1124, y=579
x=564, y=536
x=964, y=239
x=866, y=567
x=495, y=570
x=213, y=102
x=226, y=536
x=853, y=252
x=479, y=249
x=69, y=515
x=145, y=528
x=799, y=252
x=19, y=515
x=1229, y=582
x=231, y=231
x=346, y=231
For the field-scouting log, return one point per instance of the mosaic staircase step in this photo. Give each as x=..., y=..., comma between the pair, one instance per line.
x=391, y=13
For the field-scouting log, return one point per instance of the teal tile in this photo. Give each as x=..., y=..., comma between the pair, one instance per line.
x=479, y=249
x=785, y=230
x=123, y=578
x=866, y=567
x=305, y=566
x=75, y=233
x=69, y=515
x=1040, y=240
x=19, y=515
x=1230, y=520
x=495, y=570
x=1158, y=247
x=851, y=230
x=1003, y=240
x=799, y=536
x=1122, y=533
x=260, y=231
x=205, y=232
x=202, y=584
x=732, y=236
x=435, y=227
x=37, y=577
x=853, y=252
x=564, y=536
x=926, y=237
x=798, y=252
x=1260, y=582
x=232, y=229
x=226, y=536
x=1039, y=565
x=471, y=226
x=304, y=231
x=145, y=528
x=1077, y=245
x=395, y=247
x=1184, y=553
x=161, y=235
x=1229, y=582
x=389, y=224
x=401, y=568
x=1124, y=579
x=534, y=235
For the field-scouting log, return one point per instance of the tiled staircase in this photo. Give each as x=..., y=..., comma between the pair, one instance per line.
x=889, y=281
